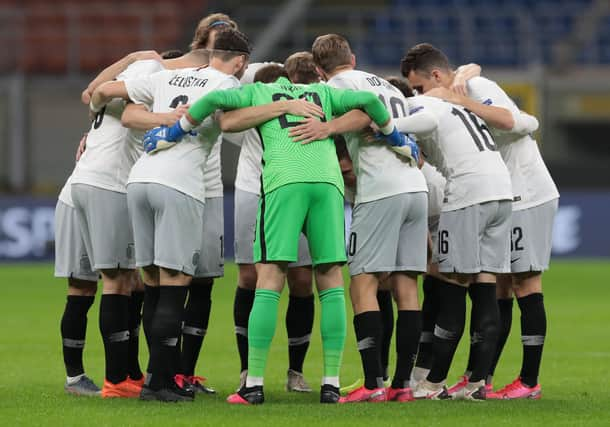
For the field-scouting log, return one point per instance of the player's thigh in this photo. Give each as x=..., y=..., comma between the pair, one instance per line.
x=531, y=237
x=433, y=223
x=495, y=220
x=458, y=241
x=108, y=228
x=80, y=199
x=71, y=259
x=281, y=215
x=142, y=218
x=246, y=207
x=413, y=234
x=325, y=226
x=178, y=229
x=211, y=261
x=374, y=235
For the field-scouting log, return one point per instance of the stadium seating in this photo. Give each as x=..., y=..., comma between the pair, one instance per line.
x=68, y=36
x=497, y=33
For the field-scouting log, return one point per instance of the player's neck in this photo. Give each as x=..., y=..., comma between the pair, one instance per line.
x=340, y=69
x=194, y=58
x=225, y=67
x=451, y=77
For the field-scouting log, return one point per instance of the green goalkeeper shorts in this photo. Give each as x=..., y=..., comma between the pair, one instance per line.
x=316, y=209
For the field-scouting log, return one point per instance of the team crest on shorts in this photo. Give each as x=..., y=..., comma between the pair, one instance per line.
x=130, y=252
x=85, y=264
x=195, y=257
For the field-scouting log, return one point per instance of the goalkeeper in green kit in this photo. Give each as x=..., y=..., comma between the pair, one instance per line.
x=302, y=190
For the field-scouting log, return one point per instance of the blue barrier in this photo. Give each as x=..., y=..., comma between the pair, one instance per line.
x=27, y=232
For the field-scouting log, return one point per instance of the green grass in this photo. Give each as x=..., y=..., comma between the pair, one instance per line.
x=575, y=374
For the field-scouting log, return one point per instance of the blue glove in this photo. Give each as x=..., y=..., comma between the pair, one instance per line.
x=395, y=138
x=162, y=137
x=407, y=147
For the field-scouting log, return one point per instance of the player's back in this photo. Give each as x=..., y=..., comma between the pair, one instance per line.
x=181, y=167
x=111, y=150
x=464, y=151
x=381, y=172
x=285, y=161
x=532, y=182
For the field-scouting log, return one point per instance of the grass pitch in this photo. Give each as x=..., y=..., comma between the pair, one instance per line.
x=575, y=377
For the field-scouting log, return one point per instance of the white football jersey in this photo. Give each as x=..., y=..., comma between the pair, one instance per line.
x=65, y=195
x=380, y=171
x=436, y=189
x=249, y=165
x=182, y=166
x=463, y=150
x=532, y=182
x=111, y=148
x=212, y=174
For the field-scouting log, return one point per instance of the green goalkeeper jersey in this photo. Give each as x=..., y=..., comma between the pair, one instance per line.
x=285, y=161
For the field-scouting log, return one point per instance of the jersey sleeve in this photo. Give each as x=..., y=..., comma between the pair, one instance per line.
x=420, y=121
x=344, y=100
x=342, y=83
x=423, y=118
x=140, y=68
x=230, y=99
x=488, y=92
x=141, y=90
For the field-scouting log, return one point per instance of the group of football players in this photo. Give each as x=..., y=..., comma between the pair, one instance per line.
x=449, y=184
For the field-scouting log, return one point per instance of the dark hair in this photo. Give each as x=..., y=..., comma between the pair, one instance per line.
x=230, y=43
x=301, y=68
x=212, y=22
x=270, y=73
x=331, y=51
x=423, y=58
x=171, y=54
x=401, y=84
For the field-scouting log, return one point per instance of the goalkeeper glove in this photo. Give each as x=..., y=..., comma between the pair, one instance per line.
x=163, y=137
x=404, y=145
x=410, y=150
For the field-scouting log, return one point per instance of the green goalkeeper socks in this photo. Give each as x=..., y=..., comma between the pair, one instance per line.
x=261, y=328
x=263, y=319
x=333, y=328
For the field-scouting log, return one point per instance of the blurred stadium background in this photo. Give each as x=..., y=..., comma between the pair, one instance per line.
x=552, y=56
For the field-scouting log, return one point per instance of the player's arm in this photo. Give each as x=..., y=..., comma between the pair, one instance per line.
x=137, y=116
x=313, y=129
x=498, y=117
x=420, y=121
x=105, y=93
x=462, y=75
x=525, y=124
x=345, y=100
x=112, y=71
x=345, y=161
x=246, y=118
x=163, y=137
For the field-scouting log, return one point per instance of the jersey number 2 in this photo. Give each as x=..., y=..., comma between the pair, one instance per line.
x=180, y=99
x=310, y=96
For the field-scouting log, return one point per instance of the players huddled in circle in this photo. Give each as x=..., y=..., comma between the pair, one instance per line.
x=441, y=170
